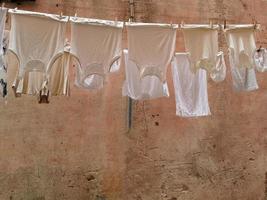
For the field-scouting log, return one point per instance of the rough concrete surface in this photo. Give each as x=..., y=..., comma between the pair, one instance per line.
x=78, y=147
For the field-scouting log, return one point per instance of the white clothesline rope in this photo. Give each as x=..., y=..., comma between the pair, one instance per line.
x=181, y=25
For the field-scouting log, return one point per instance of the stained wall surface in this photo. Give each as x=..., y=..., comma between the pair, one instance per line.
x=79, y=147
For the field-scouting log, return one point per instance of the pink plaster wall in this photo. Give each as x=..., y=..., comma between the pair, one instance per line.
x=78, y=147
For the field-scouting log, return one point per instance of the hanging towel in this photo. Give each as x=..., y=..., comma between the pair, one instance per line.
x=37, y=40
x=96, y=44
x=151, y=48
x=190, y=88
x=242, y=46
x=201, y=41
x=149, y=87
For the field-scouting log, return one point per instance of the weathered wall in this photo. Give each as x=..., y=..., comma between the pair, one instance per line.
x=78, y=148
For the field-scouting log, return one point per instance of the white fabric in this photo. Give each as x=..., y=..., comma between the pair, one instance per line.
x=202, y=44
x=56, y=82
x=260, y=59
x=190, y=88
x=3, y=14
x=151, y=48
x=242, y=45
x=37, y=39
x=149, y=87
x=244, y=79
x=3, y=45
x=96, y=44
x=4, y=66
x=218, y=73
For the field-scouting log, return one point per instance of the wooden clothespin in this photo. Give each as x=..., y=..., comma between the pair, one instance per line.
x=182, y=24
x=75, y=16
x=171, y=24
x=44, y=96
x=116, y=20
x=224, y=24
x=255, y=24
x=259, y=49
x=211, y=23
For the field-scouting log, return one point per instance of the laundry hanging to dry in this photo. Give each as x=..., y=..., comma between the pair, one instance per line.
x=39, y=42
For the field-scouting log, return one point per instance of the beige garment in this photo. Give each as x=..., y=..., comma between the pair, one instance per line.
x=201, y=41
x=37, y=40
x=151, y=48
x=58, y=83
x=241, y=44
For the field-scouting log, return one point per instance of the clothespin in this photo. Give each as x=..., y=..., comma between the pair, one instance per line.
x=255, y=24
x=224, y=24
x=75, y=16
x=259, y=49
x=182, y=24
x=3, y=5
x=211, y=23
x=171, y=24
x=116, y=20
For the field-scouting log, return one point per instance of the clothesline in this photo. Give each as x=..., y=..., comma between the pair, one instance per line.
x=175, y=25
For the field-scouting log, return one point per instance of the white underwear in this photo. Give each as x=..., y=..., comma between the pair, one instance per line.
x=151, y=48
x=244, y=79
x=55, y=82
x=242, y=45
x=149, y=87
x=241, y=42
x=201, y=41
x=37, y=40
x=96, y=45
